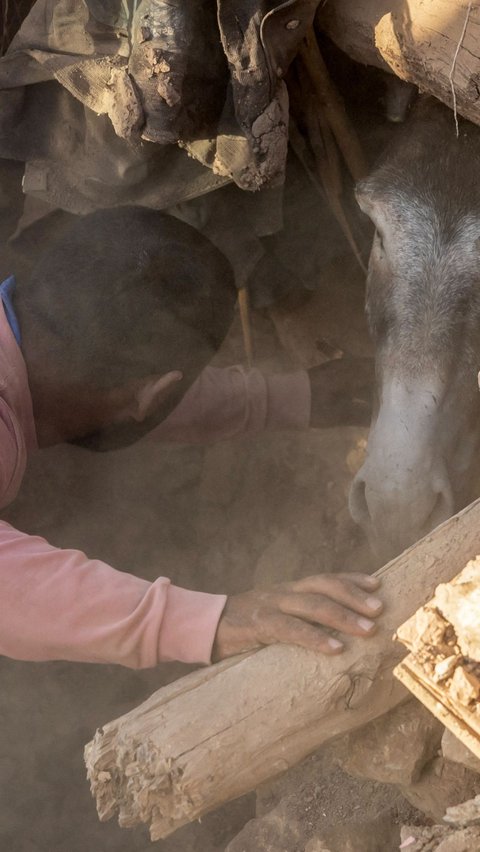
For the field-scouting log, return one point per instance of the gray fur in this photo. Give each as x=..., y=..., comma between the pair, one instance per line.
x=423, y=307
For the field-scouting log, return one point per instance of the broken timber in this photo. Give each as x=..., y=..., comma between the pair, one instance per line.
x=221, y=731
x=417, y=41
x=443, y=667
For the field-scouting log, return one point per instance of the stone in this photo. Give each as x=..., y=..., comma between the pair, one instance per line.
x=453, y=749
x=441, y=785
x=458, y=601
x=445, y=668
x=277, y=831
x=464, y=840
x=438, y=838
x=464, y=687
x=464, y=814
x=394, y=748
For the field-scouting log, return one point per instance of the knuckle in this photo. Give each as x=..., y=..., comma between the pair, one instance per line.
x=341, y=585
x=327, y=608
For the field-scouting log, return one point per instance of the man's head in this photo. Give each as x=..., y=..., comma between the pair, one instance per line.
x=123, y=301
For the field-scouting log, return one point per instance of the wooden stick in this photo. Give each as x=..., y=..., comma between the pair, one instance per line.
x=328, y=177
x=223, y=730
x=333, y=108
x=244, y=307
x=328, y=169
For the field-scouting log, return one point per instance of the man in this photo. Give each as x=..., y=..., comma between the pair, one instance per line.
x=110, y=339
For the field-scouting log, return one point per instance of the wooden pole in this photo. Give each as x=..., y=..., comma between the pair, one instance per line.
x=223, y=730
x=332, y=107
x=324, y=150
x=434, y=45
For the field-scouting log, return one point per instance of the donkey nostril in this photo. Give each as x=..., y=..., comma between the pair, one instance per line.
x=358, y=502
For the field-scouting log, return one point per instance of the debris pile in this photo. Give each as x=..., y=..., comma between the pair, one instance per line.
x=443, y=666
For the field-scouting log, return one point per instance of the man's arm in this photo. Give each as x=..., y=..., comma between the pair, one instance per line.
x=223, y=403
x=60, y=605
x=297, y=613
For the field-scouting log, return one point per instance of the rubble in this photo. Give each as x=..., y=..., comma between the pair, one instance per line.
x=443, y=666
x=453, y=749
x=394, y=748
x=439, y=839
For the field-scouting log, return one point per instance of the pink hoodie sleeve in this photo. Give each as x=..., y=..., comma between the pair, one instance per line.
x=226, y=402
x=60, y=605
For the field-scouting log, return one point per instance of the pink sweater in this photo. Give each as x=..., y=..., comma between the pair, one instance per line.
x=60, y=605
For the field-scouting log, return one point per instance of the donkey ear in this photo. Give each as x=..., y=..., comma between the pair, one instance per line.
x=372, y=202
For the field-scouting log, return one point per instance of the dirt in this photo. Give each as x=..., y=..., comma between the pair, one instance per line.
x=319, y=803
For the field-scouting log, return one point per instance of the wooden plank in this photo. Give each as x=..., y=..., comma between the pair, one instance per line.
x=464, y=728
x=223, y=730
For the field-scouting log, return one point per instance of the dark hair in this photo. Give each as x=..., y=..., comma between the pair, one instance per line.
x=109, y=291
x=126, y=293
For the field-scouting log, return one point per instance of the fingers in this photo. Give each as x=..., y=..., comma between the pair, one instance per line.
x=365, y=581
x=293, y=612
x=322, y=610
x=318, y=582
x=352, y=590
x=293, y=631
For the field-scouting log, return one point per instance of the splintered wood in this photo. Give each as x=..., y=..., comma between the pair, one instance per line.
x=443, y=667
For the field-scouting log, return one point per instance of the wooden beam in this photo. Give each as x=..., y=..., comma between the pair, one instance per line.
x=417, y=41
x=223, y=730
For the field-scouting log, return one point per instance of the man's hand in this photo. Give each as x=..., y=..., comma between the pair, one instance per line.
x=293, y=612
x=342, y=392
